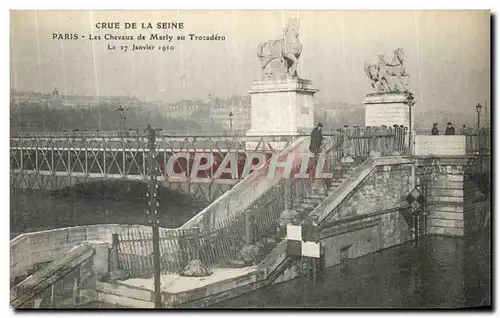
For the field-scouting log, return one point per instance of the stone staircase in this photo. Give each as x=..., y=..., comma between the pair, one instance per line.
x=320, y=190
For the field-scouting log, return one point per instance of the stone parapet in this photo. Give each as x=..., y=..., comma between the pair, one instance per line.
x=428, y=145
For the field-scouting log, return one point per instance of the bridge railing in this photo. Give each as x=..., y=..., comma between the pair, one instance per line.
x=143, y=133
x=360, y=142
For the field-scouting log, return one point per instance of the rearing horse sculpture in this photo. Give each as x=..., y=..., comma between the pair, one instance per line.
x=388, y=77
x=279, y=58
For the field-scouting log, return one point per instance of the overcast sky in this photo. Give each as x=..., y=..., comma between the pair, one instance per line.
x=447, y=54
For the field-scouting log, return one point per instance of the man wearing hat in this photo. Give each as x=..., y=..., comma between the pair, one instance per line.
x=450, y=130
x=316, y=139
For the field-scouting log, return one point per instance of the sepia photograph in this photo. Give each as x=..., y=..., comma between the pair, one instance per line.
x=234, y=159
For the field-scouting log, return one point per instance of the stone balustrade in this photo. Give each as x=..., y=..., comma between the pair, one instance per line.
x=426, y=145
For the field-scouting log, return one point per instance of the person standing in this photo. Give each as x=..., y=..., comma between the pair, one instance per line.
x=435, y=130
x=450, y=130
x=316, y=139
x=463, y=130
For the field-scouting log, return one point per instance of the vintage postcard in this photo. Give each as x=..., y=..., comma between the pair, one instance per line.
x=250, y=159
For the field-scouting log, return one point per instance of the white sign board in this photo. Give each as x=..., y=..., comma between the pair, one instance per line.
x=310, y=249
x=294, y=232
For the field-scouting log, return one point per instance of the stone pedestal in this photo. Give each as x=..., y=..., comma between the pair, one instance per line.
x=388, y=109
x=282, y=107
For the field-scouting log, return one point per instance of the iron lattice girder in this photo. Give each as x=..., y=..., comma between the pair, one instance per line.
x=124, y=157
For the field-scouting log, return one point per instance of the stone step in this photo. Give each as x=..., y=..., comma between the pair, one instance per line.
x=322, y=191
x=304, y=212
x=304, y=205
x=311, y=200
x=340, y=180
x=319, y=196
x=335, y=183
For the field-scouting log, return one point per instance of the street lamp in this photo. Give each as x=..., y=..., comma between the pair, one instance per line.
x=121, y=110
x=410, y=101
x=478, y=110
x=231, y=122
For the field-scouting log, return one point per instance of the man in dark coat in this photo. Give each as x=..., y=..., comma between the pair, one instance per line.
x=316, y=139
x=450, y=130
x=435, y=130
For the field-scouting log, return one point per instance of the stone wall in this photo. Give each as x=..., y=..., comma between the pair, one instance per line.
x=384, y=188
x=363, y=235
x=371, y=217
x=69, y=281
x=448, y=189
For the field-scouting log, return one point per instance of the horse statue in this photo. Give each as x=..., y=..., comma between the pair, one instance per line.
x=279, y=58
x=388, y=77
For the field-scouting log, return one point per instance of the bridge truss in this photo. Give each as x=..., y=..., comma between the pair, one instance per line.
x=55, y=162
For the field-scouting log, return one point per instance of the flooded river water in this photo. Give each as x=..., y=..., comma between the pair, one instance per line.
x=41, y=211
x=439, y=273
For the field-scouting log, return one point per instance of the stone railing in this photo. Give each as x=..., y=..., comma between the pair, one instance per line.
x=68, y=281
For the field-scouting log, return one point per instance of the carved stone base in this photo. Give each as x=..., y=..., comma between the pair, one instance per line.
x=284, y=107
x=387, y=109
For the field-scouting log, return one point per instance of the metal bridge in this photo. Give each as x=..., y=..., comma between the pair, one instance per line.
x=55, y=161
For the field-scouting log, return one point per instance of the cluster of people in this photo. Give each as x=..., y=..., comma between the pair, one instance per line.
x=450, y=130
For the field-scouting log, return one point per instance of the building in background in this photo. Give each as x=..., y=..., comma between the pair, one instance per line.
x=57, y=100
x=238, y=106
x=336, y=115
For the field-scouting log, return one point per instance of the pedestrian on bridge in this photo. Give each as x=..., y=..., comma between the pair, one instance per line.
x=450, y=130
x=316, y=139
x=435, y=130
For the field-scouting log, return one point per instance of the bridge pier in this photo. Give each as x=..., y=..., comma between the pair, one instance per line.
x=452, y=194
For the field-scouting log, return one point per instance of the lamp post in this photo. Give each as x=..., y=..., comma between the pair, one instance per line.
x=410, y=101
x=121, y=110
x=152, y=212
x=478, y=110
x=231, y=122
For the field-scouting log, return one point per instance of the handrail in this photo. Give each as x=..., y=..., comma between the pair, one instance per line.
x=352, y=132
x=245, y=192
